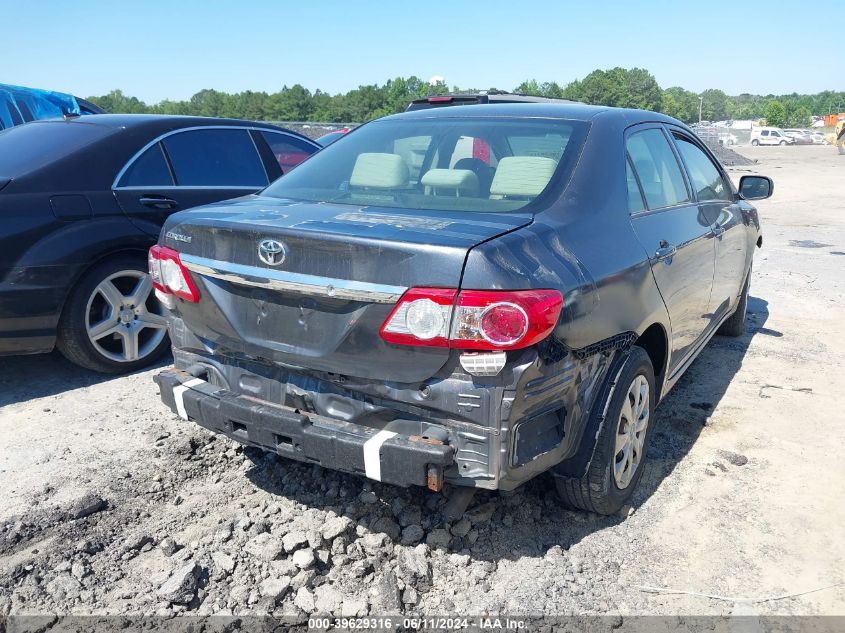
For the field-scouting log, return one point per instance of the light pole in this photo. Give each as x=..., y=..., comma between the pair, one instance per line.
x=700, y=103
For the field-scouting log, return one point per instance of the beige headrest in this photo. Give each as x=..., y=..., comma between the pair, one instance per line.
x=522, y=176
x=383, y=171
x=462, y=181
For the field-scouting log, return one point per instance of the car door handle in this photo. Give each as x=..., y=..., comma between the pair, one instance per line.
x=158, y=202
x=665, y=251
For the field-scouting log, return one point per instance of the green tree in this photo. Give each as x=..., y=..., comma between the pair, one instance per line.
x=117, y=102
x=619, y=87
x=545, y=89
x=289, y=104
x=714, y=105
x=207, y=103
x=775, y=113
x=681, y=104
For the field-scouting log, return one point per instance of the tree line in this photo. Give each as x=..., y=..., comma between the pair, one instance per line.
x=621, y=87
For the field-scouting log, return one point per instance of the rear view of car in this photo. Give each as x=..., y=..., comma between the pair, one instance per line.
x=468, y=295
x=345, y=283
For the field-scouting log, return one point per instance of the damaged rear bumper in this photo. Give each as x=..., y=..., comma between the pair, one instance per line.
x=380, y=455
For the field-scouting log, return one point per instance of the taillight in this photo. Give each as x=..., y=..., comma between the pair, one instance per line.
x=422, y=317
x=169, y=275
x=477, y=319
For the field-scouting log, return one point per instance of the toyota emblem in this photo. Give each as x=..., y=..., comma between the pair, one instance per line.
x=271, y=252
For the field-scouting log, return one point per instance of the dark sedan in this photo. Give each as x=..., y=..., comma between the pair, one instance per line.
x=471, y=295
x=81, y=201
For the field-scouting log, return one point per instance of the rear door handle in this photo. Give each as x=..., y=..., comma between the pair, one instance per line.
x=665, y=251
x=158, y=202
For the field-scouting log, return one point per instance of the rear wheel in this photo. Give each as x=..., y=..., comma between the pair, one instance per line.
x=620, y=452
x=755, y=142
x=735, y=325
x=112, y=321
x=840, y=144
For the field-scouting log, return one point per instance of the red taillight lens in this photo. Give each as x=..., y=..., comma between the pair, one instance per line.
x=169, y=275
x=479, y=319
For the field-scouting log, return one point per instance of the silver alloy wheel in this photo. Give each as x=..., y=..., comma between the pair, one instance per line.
x=123, y=319
x=631, y=431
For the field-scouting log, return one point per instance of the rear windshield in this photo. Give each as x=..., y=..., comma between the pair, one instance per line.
x=28, y=147
x=453, y=164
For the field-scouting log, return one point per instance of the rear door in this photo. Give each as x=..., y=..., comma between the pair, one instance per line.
x=675, y=232
x=187, y=168
x=716, y=199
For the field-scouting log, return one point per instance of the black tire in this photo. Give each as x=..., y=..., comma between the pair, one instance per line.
x=735, y=325
x=840, y=144
x=73, y=340
x=755, y=142
x=783, y=142
x=597, y=491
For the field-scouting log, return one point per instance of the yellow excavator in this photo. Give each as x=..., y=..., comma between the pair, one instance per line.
x=838, y=136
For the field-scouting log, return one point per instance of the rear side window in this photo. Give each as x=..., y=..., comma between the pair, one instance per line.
x=288, y=150
x=657, y=169
x=149, y=170
x=215, y=158
x=704, y=175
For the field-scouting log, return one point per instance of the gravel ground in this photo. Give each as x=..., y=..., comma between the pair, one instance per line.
x=112, y=505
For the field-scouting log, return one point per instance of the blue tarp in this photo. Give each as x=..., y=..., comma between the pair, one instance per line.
x=19, y=105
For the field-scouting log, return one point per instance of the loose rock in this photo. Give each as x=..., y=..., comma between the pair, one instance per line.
x=303, y=558
x=181, y=587
x=265, y=547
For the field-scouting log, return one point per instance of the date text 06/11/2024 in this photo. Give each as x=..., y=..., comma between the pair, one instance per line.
x=417, y=624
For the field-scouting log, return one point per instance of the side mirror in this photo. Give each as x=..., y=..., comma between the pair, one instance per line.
x=756, y=187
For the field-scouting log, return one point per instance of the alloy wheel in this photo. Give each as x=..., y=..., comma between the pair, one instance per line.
x=123, y=319
x=631, y=432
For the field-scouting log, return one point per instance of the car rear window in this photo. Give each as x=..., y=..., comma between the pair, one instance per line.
x=487, y=164
x=26, y=148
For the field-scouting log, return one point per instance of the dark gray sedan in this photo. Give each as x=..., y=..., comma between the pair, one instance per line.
x=472, y=295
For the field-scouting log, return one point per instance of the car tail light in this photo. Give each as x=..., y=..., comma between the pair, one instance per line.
x=170, y=276
x=422, y=317
x=473, y=319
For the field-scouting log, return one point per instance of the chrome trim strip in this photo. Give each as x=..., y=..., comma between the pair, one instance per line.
x=293, y=282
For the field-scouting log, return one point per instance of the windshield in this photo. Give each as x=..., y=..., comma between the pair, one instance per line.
x=453, y=164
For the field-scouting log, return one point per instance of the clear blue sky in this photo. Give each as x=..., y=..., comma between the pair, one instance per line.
x=156, y=50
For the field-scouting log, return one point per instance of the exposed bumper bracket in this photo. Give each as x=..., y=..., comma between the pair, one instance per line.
x=338, y=445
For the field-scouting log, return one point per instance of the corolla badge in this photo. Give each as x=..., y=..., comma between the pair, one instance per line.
x=271, y=252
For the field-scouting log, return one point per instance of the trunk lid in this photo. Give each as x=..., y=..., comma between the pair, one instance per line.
x=318, y=303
